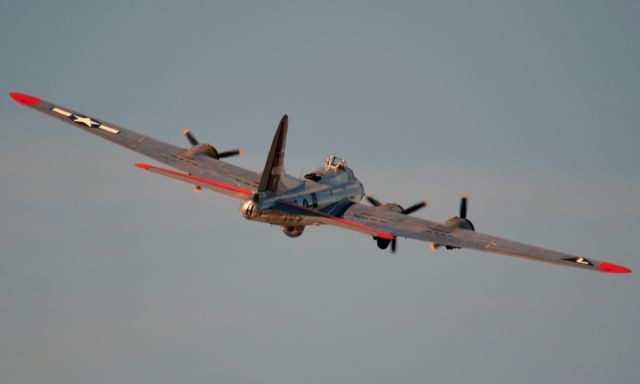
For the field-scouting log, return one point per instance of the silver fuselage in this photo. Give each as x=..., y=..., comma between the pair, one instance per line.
x=334, y=187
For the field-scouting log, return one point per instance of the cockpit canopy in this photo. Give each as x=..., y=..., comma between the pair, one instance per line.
x=335, y=163
x=331, y=164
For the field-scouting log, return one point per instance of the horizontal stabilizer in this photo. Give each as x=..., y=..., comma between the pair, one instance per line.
x=199, y=181
x=333, y=220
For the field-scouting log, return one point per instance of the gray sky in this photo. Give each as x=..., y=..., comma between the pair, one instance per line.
x=110, y=274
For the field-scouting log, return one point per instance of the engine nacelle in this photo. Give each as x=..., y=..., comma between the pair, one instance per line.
x=208, y=150
x=455, y=222
x=382, y=243
x=250, y=209
x=393, y=207
x=204, y=150
x=459, y=222
x=293, y=230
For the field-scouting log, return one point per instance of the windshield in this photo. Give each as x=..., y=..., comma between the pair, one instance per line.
x=335, y=162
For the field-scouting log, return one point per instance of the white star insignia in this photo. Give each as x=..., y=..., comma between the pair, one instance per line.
x=84, y=120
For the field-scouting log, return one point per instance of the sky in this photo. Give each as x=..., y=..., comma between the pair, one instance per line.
x=110, y=274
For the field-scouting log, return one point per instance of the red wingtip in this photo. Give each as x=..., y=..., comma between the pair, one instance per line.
x=143, y=166
x=612, y=268
x=23, y=99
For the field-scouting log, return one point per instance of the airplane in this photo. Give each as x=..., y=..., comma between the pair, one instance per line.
x=330, y=195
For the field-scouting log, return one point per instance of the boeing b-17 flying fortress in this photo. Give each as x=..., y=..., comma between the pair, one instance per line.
x=330, y=195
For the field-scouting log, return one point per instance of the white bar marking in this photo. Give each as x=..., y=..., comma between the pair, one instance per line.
x=109, y=129
x=61, y=111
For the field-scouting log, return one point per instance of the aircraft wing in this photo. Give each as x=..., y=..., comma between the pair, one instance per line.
x=201, y=170
x=400, y=225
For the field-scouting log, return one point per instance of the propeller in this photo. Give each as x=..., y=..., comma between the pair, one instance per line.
x=382, y=243
x=190, y=137
x=209, y=150
x=375, y=202
x=464, y=199
x=415, y=207
x=406, y=211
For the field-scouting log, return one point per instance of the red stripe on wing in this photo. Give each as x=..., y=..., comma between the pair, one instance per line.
x=382, y=235
x=196, y=178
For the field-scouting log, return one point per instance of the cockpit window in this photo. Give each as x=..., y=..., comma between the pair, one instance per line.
x=334, y=162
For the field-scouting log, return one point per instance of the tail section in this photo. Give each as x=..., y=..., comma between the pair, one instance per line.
x=274, y=167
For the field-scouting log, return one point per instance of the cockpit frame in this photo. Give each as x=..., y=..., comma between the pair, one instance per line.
x=335, y=163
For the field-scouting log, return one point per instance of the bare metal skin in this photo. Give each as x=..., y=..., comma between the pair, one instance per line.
x=329, y=195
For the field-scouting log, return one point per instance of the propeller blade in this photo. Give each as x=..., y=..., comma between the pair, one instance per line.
x=416, y=207
x=375, y=202
x=394, y=245
x=233, y=152
x=190, y=137
x=463, y=206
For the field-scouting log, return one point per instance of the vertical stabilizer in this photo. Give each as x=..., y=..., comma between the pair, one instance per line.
x=274, y=167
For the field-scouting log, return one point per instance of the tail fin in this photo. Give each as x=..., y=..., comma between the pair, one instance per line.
x=274, y=167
